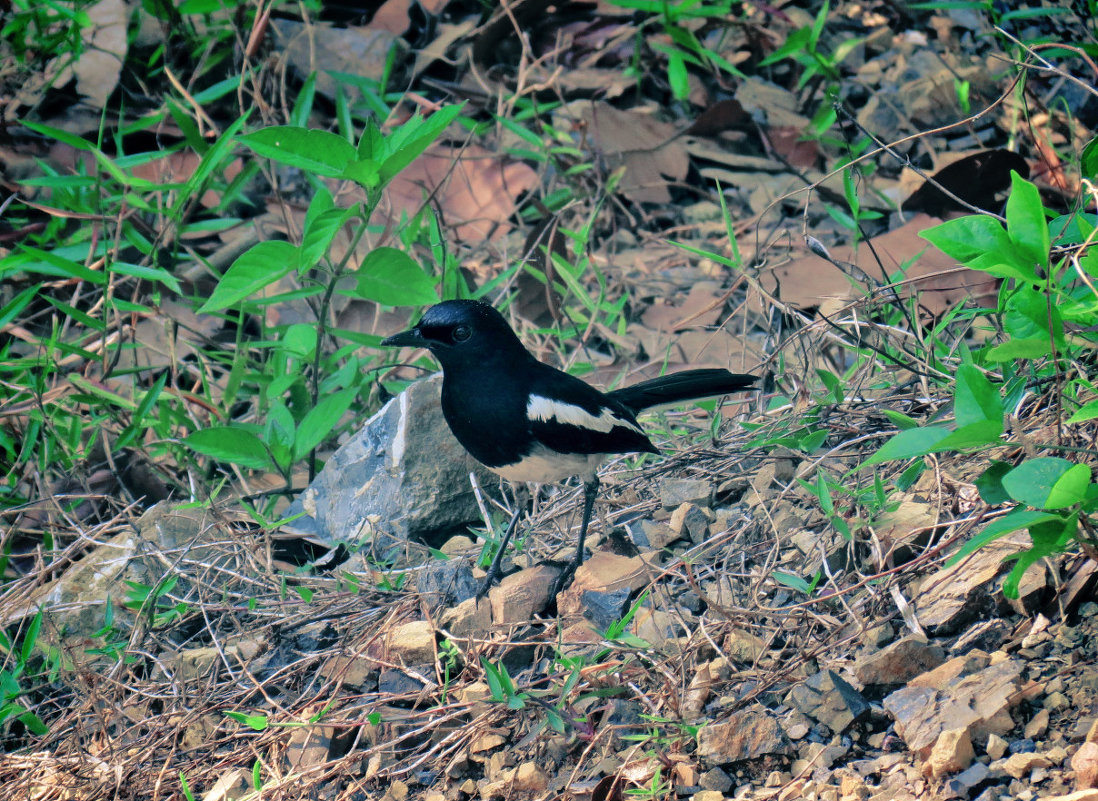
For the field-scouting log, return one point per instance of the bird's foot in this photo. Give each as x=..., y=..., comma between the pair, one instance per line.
x=563, y=579
x=490, y=578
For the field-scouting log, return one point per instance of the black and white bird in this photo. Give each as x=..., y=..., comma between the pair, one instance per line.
x=528, y=421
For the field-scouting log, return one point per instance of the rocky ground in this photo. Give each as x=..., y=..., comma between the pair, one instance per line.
x=675, y=665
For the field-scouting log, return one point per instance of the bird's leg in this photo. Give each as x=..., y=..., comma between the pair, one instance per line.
x=590, y=492
x=492, y=576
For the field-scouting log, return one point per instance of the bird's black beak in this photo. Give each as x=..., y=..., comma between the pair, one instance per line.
x=410, y=339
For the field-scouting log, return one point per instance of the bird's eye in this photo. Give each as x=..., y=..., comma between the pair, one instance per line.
x=462, y=333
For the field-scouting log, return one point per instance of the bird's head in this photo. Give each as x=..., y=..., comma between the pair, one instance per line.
x=457, y=331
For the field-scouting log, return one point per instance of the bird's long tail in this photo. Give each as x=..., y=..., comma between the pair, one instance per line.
x=676, y=387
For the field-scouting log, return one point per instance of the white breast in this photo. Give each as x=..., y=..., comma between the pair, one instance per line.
x=543, y=466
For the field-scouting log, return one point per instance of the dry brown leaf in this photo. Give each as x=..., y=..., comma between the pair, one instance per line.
x=392, y=17
x=810, y=281
x=644, y=145
x=98, y=67
x=474, y=188
x=701, y=306
x=320, y=47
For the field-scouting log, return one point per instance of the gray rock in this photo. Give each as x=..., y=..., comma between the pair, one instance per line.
x=605, y=608
x=717, y=780
x=397, y=682
x=676, y=491
x=828, y=699
x=446, y=582
x=402, y=476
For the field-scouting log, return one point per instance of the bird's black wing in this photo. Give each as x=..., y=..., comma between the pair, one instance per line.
x=570, y=416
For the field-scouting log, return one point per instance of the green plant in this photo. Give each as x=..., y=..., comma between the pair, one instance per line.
x=678, y=22
x=451, y=655
x=657, y=787
x=154, y=602
x=318, y=398
x=1055, y=499
x=818, y=66
x=21, y=663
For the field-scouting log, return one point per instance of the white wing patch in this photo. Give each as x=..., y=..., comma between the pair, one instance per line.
x=547, y=410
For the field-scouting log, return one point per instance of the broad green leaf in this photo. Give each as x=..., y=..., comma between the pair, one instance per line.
x=908, y=444
x=364, y=172
x=278, y=431
x=1030, y=315
x=1005, y=264
x=320, y=420
x=1089, y=159
x=392, y=278
x=1026, y=221
x=973, y=435
x=1049, y=538
x=1034, y=481
x=1086, y=412
x=965, y=238
x=300, y=340
x=990, y=483
x=1071, y=488
x=318, y=152
x=413, y=137
x=258, y=267
x=1016, y=519
x=1015, y=349
x=975, y=399
x=319, y=233
x=256, y=722
x=230, y=444
x=899, y=419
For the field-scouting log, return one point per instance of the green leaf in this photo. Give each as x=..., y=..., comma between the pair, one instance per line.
x=1035, y=482
x=973, y=435
x=1005, y=264
x=408, y=141
x=55, y=265
x=899, y=419
x=317, y=152
x=1086, y=412
x=300, y=340
x=1016, y=519
x=392, y=278
x=1071, y=488
x=1050, y=537
x=256, y=722
x=230, y=444
x=158, y=274
x=676, y=75
x=33, y=724
x=965, y=238
x=1020, y=349
x=1026, y=221
x=320, y=420
x=258, y=267
x=908, y=444
x=975, y=399
x=319, y=233
x=1088, y=159
x=990, y=483
x=1030, y=315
